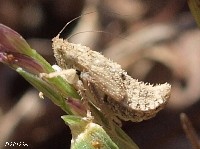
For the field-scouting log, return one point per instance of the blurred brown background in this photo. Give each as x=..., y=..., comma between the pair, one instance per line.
x=155, y=41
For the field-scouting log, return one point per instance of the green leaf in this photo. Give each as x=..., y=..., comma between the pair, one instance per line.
x=17, y=54
x=88, y=135
x=48, y=90
x=113, y=130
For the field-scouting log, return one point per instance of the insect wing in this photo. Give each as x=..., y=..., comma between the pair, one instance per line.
x=103, y=72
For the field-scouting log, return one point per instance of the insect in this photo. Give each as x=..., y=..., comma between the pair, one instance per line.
x=111, y=88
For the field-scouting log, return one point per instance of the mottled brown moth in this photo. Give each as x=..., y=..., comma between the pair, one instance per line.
x=112, y=89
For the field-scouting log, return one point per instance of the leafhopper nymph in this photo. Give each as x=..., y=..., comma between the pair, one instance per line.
x=112, y=88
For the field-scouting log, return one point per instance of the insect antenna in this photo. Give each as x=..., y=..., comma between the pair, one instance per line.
x=73, y=21
x=100, y=31
x=115, y=13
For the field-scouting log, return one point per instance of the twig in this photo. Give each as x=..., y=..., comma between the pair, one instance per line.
x=189, y=131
